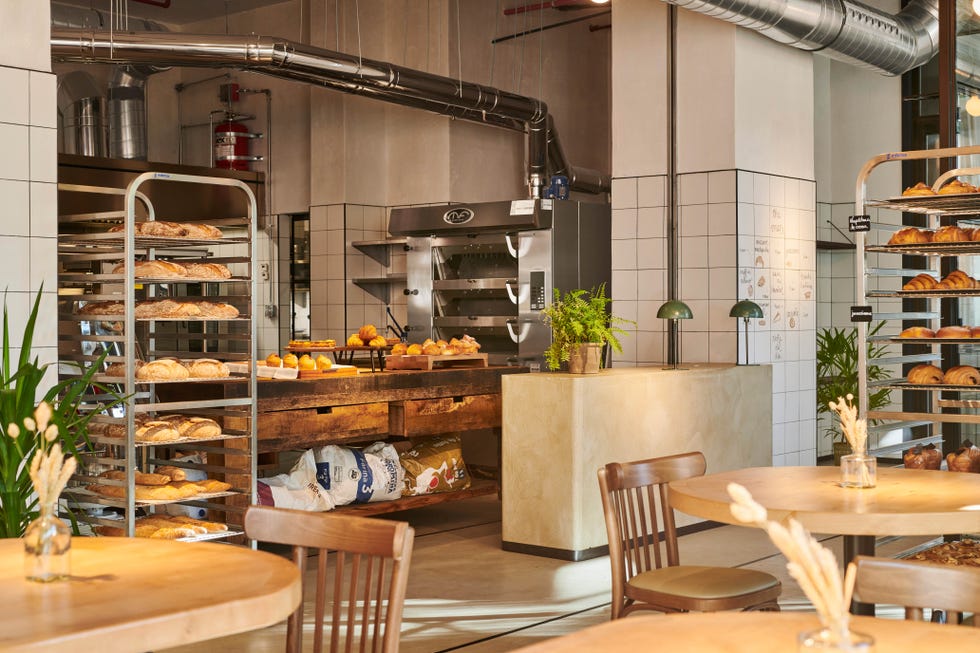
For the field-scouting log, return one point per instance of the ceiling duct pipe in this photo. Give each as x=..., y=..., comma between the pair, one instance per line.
x=842, y=29
x=339, y=71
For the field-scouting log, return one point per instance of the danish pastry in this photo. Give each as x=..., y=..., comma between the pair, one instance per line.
x=927, y=457
x=917, y=332
x=910, y=236
x=966, y=459
x=962, y=375
x=950, y=234
x=925, y=374
x=919, y=189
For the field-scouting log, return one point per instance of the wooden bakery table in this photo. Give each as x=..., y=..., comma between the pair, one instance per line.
x=750, y=632
x=904, y=502
x=132, y=594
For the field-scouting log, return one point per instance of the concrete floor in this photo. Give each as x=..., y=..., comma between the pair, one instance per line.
x=465, y=594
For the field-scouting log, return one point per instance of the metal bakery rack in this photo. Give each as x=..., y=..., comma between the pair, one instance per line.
x=88, y=251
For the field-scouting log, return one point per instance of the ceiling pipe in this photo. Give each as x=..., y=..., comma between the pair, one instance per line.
x=348, y=73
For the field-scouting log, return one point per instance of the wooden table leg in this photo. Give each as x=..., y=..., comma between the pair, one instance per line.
x=855, y=545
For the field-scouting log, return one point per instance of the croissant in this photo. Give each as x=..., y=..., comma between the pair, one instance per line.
x=921, y=282
x=966, y=459
x=917, y=332
x=954, y=332
x=910, y=236
x=957, y=187
x=950, y=234
x=956, y=280
x=962, y=375
x=919, y=189
x=925, y=374
x=927, y=457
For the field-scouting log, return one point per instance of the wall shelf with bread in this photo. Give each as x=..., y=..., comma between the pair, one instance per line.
x=166, y=304
x=907, y=274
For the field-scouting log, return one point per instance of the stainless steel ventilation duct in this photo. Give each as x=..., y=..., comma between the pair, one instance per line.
x=842, y=29
x=336, y=70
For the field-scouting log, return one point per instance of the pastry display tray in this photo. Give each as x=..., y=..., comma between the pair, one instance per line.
x=935, y=387
x=952, y=204
x=964, y=292
x=94, y=497
x=928, y=249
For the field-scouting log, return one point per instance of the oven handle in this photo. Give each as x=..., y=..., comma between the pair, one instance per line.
x=523, y=290
x=517, y=337
x=517, y=247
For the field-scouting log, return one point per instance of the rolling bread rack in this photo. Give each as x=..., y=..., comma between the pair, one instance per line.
x=88, y=252
x=881, y=295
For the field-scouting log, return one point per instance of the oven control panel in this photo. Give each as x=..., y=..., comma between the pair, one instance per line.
x=538, y=296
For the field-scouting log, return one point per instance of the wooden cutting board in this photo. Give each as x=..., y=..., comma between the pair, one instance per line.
x=427, y=362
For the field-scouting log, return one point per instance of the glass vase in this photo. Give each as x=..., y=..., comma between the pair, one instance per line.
x=858, y=470
x=827, y=639
x=47, y=548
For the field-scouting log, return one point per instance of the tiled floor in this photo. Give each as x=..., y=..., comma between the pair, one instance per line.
x=465, y=594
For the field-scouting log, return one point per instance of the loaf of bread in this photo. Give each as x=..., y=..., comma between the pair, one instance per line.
x=925, y=374
x=155, y=308
x=207, y=368
x=159, y=526
x=220, y=310
x=962, y=375
x=197, y=428
x=155, y=269
x=102, y=308
x=156, y=431
x=927, y=457
x=174, y=473
x=142, y=478
x=164, y=229
x=966, y=459
x=954, y=332
x=211, y=485
x=142, y=492
x=206, y=270
x=917, y=332
x=956, y=280
x=910, y=236
x=162, y=369
x=187, y=489
x=921, y=282
x=950, y=234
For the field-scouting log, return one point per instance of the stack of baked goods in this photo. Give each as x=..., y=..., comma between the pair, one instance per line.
x=966, y=459
x=957, y=187
x=164, y=428
x=456, y=346
x=926, y=374
x=964, y=552
x=927, y=457
x=163, y=269
x=171, y=369
x=947, y=234
x=165, y=527
x=943, y=332
x=199, y=309
x=326, y=343
x=955, y=280
x=164, y=229
x=919, y=189
x=366, y=336
x=165, y=484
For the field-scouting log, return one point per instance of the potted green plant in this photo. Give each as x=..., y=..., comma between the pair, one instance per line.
x=581, y=324
x=21, y=384
x=837, y=376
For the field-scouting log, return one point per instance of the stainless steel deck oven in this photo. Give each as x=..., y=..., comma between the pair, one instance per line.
x=488, y=269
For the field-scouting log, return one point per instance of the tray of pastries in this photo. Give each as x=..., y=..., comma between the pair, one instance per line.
x=932, y=377
x=177, y=270
x=170, y=527
x=175, y=230
x=164, y=485
x=925, y=283
x=944, y=333
x=965, y=552
x=157, y=309
x=165, y=370
x=162, y=429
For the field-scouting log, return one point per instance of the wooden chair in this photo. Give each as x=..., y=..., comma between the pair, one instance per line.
x=642, y=579
x=915, y=585
x=370, y=574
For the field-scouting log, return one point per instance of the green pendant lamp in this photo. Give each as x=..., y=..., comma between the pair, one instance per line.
x=672, y=311
x=745, y=309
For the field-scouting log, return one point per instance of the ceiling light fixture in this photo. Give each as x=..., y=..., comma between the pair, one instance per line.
x=973, y=104
x=602, y=2
x=976, y=6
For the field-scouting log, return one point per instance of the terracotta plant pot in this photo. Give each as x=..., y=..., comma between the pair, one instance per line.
x=585, y=358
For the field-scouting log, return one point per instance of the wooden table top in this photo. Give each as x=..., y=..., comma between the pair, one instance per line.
x=905, y=501
x=750, y=632
x=140, y=595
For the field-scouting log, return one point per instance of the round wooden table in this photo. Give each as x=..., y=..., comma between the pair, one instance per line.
x=750, y=632
x=140, y=594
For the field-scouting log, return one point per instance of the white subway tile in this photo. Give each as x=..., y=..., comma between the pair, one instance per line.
x=719, y=320
x=15, y=199
x=646, y=315
x=651, y=285
x=723, y=284
x=624, y=223
x=624, y=255
x=624, y=285
x=693, y=220
x=623, y=194
x=694, y=346
x=745, y=186
x=43, y=99
x=651, y=223
x=722, y=347
x=692, y=189
x=722, y=219
x=777, y=191
x=651, y=191
x=626, y=310
x=693, y=283
x=791, y=189
x=44, y=154
x=721, y=187
x=15, y=107
x=16, y=160
x=650, y=347
x=44, y=264
x=16, y=257
x=723, y=251
x=745, y=216
x=651, y=253
x=760, y=187
x=694, y=252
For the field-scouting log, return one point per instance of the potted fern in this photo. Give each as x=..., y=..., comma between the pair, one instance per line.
x=581, y=325
x=21, y=391
x=837, y=376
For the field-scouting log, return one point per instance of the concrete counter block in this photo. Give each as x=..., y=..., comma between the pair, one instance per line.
x=558, y=429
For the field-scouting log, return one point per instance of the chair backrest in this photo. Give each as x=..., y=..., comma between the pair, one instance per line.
x=369, y=574
x=631, y=493
x=916, y=585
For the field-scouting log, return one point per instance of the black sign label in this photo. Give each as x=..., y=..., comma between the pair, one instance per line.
x=859, y=223
x=458, y=216
x=861, y=313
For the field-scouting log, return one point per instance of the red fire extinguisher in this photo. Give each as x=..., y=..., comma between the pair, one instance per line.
x=231, y=142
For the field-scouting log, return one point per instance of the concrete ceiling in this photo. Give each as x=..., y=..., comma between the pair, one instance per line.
x=180, y=12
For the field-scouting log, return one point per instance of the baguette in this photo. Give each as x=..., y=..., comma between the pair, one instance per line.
x=213, y=485
x=141, y=477
x=188, y=488
x=175, y=473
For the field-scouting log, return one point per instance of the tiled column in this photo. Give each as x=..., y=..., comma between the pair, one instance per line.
x=28, y=173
